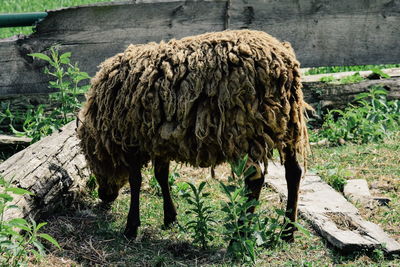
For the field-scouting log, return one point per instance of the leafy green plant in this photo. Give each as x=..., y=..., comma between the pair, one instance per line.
x=355, y=78
x=17, y=248
x=380, y=73
x=178, y=188
x=337, y=178
x=238, y=229
x=91, y=185
x=248, y=233
x=327, y=79
x=202, y=220
x=371, y=120
x=40, y=122
x=67, y=78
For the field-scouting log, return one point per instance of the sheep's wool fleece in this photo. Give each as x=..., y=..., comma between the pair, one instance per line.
x=202, y=100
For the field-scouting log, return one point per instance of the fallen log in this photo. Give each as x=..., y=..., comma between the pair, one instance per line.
x=53, y=169
x=323, y=96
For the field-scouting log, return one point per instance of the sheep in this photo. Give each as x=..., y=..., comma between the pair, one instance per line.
x=201, y=100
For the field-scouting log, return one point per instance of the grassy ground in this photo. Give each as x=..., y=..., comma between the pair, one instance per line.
x=91, y=236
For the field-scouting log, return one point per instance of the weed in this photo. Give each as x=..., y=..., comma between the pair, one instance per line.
x=177, y=188
x=372, y=120
x=202, y=215
x=91, y=185
x=337, y=177
x=67, y=77
x=248, y=232
x=327, y=79
x=16, y=248
x=378, y=255
x=238, y=229
x=38, y=122
x=380, y=73
x=355, y=78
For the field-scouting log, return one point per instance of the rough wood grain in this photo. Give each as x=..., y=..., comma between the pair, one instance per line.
x=53, y=169
x=326, y=33
x=332, y=216
x=324, y=96
x=322, y=32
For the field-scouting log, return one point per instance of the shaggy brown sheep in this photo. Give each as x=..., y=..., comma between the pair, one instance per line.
x=201, y=100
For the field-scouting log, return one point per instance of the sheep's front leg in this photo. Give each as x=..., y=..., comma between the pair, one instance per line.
x=293, y=176
x=133, y=223
x=161, y=170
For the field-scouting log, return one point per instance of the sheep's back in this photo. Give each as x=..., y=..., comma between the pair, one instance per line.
x=202, y=100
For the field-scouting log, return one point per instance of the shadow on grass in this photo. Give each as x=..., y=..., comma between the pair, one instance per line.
x=93, y=236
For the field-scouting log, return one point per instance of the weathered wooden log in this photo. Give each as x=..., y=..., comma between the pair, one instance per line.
x=324, y=96
x=53, y=169
x=318, y=31
x=9, y=145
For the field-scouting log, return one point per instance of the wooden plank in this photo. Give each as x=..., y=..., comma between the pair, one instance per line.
x=94, y=33
x=318, y=30
x=327, y=33
x=332, y=216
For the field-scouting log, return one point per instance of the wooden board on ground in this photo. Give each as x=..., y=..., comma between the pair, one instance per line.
x=332, y=216
x=53, y=169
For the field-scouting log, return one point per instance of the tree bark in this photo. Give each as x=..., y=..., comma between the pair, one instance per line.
x=53, y=169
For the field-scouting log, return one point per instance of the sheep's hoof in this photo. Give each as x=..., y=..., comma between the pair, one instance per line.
x=168, y=224
x=104, y=206
x=130, y=232
x=289, y=238
x=288, y=234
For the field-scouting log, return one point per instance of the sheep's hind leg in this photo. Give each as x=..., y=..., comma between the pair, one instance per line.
x=293, y=177
x=161, y=170
x=133, y=223
x=254, y=184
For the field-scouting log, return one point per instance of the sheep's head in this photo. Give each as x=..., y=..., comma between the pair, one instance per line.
x=109, y=178
x=109, y=188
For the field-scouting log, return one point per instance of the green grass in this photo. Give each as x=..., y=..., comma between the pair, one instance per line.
x=17, y=6
x=378, y=164
x=91, y=236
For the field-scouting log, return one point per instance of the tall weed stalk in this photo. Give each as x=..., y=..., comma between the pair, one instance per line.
x=63, y=103
x=372, y=119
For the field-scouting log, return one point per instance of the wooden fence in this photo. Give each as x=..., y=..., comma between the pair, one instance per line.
x=323, y=32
